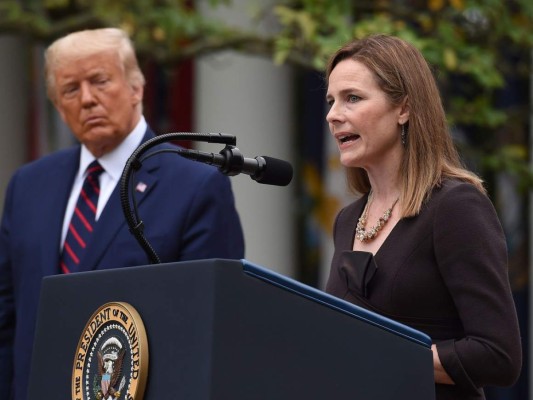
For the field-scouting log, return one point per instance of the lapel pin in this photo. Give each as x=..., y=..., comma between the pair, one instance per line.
x=141, y=187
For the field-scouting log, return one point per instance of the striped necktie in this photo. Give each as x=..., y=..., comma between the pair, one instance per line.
x=83, y=221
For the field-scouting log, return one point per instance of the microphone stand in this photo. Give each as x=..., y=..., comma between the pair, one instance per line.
x=134, y=163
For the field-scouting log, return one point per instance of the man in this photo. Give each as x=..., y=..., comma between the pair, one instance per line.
x=95, y=83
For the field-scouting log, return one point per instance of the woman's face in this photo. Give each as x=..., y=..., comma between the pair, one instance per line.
x=362, y=120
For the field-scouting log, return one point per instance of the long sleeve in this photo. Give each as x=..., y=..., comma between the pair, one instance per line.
x=472, y=257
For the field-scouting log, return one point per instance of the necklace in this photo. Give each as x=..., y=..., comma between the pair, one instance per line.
x=361, y=233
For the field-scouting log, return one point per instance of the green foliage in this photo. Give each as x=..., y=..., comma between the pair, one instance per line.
x=475, y=111
x=513, y=160
x=472, y=44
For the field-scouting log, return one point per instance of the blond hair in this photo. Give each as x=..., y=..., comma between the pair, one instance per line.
x=430, y=154
x=88, y=42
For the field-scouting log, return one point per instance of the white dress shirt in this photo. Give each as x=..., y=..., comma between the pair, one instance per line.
x=113, y=164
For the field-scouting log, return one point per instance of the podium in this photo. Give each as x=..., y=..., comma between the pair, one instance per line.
x=227, y=329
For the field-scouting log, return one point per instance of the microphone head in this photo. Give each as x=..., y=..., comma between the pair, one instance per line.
x=275, y=171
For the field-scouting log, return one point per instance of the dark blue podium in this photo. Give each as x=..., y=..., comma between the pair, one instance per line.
x=227, y=329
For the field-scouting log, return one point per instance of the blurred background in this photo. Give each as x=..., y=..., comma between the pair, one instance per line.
x=253, y=69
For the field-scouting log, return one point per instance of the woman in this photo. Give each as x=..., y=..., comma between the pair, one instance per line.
x=423, y=245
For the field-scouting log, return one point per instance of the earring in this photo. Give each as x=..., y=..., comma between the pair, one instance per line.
x=403, y=135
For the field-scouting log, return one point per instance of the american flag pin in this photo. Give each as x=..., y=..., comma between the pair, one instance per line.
x=141, y=187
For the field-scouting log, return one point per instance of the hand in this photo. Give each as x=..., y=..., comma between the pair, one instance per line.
x=441, y=376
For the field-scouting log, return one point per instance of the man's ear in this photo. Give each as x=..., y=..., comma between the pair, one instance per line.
x=137, y=94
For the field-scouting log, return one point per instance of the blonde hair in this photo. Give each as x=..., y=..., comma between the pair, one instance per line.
x=430, y=154
x=88, y=42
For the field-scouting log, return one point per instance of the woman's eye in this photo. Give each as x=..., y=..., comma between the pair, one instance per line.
x=353, y=98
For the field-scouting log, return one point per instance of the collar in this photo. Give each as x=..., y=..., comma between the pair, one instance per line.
x=114, y=161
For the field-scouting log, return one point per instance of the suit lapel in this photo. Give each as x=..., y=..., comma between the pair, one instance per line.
x=112, y=218
x=54, y=197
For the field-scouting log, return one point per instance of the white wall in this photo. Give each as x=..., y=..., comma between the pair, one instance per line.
x=251, y=98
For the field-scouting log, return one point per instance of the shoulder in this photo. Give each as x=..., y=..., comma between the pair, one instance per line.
x=459, y=185
x=168, y=155
x=464, y=195
x=187, y=175
x=464, y=206
x=459, y=195
x=59, y=161
x=172, y=165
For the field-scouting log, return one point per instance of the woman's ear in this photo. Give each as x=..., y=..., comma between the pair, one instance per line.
x=404, y=111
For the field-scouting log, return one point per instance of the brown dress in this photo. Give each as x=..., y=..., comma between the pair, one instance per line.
x=443, y=272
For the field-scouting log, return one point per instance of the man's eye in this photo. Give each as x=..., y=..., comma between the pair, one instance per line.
x=99, y=80
x=69, y=90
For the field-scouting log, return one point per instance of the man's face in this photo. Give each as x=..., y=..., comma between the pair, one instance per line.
x=96, y=101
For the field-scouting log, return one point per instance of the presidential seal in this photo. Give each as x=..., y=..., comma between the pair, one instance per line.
x=111, y=360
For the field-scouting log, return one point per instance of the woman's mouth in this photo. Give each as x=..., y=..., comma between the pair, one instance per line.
x=347, y=138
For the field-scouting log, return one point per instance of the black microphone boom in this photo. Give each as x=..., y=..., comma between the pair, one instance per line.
x=230, y=161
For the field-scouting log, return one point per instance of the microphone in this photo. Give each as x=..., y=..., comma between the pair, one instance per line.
x=230, y=161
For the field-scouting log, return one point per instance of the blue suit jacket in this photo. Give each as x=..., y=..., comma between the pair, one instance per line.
x=188, y=212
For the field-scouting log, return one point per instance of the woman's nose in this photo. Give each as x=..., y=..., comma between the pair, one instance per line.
x=334, y=114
